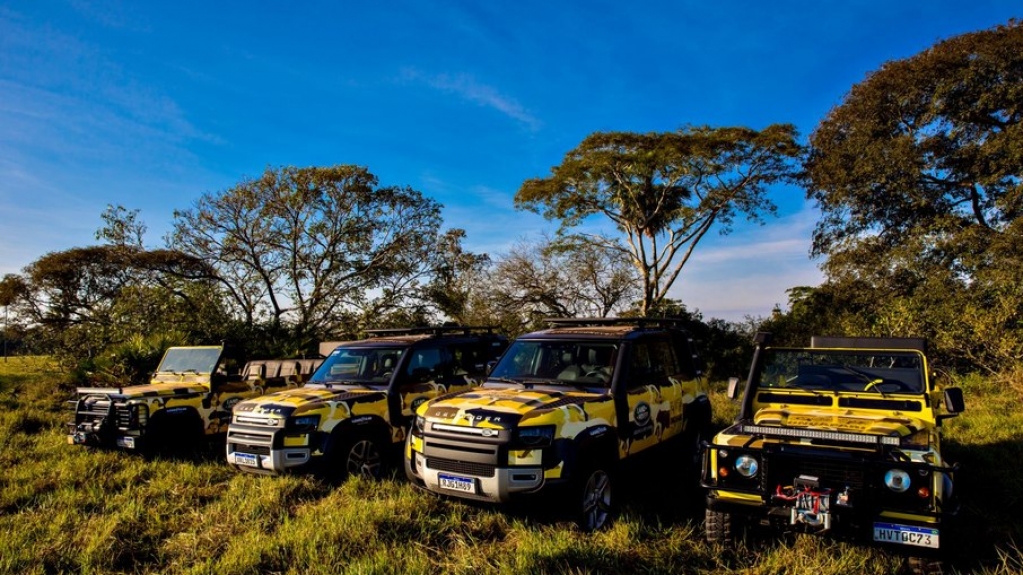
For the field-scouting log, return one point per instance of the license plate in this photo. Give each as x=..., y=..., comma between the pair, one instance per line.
x=246, y=459
x=126, y=442
x=454, y=483
x=906, y=535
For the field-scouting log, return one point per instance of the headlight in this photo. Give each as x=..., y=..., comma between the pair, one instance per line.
x=746, y=465
x=419, y=424
x=897, y=480
x=538, y=436
x=305, y=422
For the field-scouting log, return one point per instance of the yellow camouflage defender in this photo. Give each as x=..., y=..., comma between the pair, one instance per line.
x=561, y=410
x=189, y=398
x=359, y=403
x=842, y=437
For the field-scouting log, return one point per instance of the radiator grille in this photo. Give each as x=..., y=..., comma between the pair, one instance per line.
x=464, y=467
x=253, y=449
x=837, y=473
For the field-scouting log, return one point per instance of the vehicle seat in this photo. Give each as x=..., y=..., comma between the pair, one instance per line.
x=573, y=371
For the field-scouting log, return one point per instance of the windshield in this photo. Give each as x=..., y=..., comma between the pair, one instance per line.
x=190, y=360
x=366, y=365
x=586, y=363
x=830, y=370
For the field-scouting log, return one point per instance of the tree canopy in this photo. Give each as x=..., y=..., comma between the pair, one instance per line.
x=927, y=146
x=313, y=246
x=918, y=177
x=665, y=191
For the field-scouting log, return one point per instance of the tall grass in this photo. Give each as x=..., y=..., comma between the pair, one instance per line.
x=66, y=509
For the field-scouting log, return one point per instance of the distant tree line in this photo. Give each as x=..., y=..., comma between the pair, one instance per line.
x=917, y=174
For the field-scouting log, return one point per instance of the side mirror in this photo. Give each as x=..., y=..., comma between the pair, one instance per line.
x=954, y=400
x=490, y=366
x=733, y=388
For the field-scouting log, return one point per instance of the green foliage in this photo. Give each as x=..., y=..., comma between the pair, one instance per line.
x=665, y=191
x=918, y=177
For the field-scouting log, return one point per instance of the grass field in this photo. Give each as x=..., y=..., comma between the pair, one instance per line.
x=66, y=509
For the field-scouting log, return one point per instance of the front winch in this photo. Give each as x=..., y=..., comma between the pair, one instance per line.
x=811, y=505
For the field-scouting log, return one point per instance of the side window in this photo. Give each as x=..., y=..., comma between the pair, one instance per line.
x=468, y=359
x=690, y=365
x=427, y=363
x=652, y=361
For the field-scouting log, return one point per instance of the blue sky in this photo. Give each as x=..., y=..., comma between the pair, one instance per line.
x=148, y=105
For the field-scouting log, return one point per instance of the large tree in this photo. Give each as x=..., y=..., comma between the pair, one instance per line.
x=664, y=191
x=313, y=247
x=919, y=176
x=561, y=278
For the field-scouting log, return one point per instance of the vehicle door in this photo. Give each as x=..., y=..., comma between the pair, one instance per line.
x=654, y=392
x=428, y=372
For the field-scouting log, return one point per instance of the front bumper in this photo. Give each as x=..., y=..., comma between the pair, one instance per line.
x=882, y=527
x=135, y=442
x=265, y=451
x=107, y=423
x=480, y=483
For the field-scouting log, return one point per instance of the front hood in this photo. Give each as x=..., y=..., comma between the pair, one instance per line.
x=505, y=408
x=847, y=421
x=144, y=391
x=301, y=399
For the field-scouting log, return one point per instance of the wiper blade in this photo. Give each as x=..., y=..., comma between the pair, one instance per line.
x=507, y=380
x=330, y=383
x=870, y=380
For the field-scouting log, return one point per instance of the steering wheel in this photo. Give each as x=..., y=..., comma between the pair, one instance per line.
x=898, y=383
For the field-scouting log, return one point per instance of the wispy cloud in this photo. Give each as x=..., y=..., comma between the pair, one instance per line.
x=748, y=272
x=465, y=86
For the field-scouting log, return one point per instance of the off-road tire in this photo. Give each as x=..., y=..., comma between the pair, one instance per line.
x=925, y=566
x=693, y=456
x=719, y=527
x=362, y=455
x=593, y=497
x=174, y=436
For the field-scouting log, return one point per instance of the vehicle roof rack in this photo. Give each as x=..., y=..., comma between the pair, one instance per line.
x=607, y=321
x=914, y=343
x=431, y=330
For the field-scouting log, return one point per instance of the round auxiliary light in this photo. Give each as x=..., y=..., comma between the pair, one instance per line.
x=923, y=493
x=746, y=465
x=897, y=480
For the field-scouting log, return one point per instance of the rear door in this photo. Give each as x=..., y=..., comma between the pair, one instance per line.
x=654, y=392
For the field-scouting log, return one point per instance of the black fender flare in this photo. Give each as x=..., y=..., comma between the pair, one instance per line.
x=596, y=443
x=698, y=416
x=372, y=425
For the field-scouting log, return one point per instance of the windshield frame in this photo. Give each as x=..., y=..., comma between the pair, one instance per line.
x=885, y=371
x=190, y=360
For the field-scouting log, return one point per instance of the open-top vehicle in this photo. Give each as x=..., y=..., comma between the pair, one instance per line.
x=188, y=398
x=842, y=437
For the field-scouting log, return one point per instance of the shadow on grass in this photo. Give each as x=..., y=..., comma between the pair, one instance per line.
x=989, y=485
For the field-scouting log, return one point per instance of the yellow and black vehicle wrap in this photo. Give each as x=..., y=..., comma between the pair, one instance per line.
x=189, y=397
x=562, y=402
x=359, y=403
x=842, y=437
